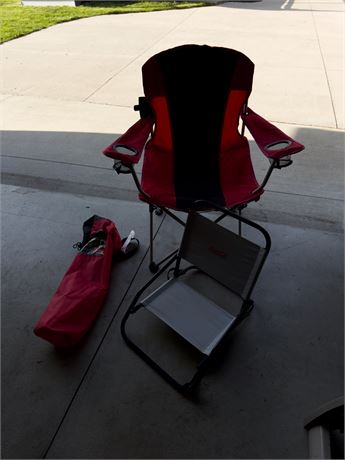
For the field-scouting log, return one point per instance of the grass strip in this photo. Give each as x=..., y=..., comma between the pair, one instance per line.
x=17, y=20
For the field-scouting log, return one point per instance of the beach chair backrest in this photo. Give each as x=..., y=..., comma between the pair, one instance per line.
x=230, y=259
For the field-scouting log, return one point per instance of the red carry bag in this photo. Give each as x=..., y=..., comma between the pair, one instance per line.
x=84, y=287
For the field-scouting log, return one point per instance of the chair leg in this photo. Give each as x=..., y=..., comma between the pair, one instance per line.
x=153, y=266
x=239, y=222
x=159, y=211
x=239, y=211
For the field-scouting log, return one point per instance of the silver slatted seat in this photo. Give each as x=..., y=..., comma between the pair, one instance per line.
x=192, y=315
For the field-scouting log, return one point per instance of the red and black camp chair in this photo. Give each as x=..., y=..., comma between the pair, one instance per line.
x=189, y=130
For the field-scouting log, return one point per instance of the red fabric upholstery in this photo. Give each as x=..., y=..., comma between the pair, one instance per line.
x=195, y=95
x=237, y=177
x=196, y=111
x=82, y=292
x=266, y=134
x=157, y=178
x=134, y=139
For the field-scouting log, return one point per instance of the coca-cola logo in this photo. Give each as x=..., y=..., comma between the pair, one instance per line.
x=217, y=252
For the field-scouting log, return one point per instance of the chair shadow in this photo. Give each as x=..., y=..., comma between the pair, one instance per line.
x=72, y=162
x=35, y=374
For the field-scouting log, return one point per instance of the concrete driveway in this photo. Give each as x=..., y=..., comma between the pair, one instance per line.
x=67, y=92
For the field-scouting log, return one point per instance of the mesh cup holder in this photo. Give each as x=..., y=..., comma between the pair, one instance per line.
x=281, y=162
x=276, y=146
x=120, y=168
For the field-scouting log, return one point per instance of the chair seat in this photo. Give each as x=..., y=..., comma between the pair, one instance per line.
x=162, y=195
x=236, y=180
x=196, y=318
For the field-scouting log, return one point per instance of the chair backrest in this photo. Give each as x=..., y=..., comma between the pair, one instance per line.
x=197, y=93
x=230, y=259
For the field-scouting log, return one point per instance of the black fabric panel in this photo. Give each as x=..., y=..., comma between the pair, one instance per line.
x=197, y=82
x=153, y=82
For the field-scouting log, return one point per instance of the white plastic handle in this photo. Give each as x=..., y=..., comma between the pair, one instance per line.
x=128, y=240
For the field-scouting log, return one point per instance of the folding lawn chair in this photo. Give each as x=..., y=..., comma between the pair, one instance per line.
x=228, y=260
x=194, y=97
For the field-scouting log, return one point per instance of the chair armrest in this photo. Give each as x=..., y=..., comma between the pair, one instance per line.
x=273, y=142
x=129, y=147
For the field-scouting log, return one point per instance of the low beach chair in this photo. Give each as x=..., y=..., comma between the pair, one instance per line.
x=211, y=257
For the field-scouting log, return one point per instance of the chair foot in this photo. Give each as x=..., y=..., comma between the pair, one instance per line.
x=153, y=267
x=246, y=309
x=159, y=211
